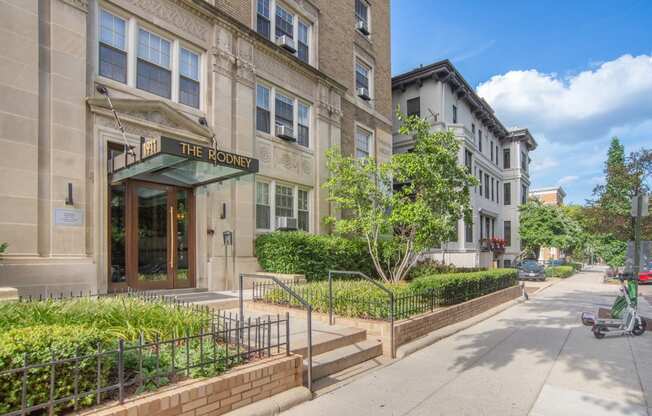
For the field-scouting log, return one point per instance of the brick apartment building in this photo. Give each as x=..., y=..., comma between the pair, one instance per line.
x=228, y=107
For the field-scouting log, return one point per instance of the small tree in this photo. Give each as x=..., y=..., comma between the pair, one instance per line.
x=547, y=226
x=404, y=206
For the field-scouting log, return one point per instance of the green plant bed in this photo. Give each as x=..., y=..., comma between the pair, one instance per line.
x=429, y=267
x=311, y=254
x=361, y=299
x=41, y=331
x=560, y=271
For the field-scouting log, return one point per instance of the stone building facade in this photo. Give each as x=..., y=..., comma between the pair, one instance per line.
x=277, y=82
x=499, y=158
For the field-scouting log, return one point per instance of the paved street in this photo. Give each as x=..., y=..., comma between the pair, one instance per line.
x=534, y=358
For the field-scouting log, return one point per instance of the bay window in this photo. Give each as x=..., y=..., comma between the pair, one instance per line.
x=113, y=47
x=275, y=199
x=288, y=111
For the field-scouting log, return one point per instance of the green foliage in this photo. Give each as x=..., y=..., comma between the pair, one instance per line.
x=310, y=254
x=459, y=287
x=576, y=266
x=3, y=247
x=429, y=266
x=547, y=226
x=361, y=299
x=611, y=250
x=560, y=271
x=417, y=215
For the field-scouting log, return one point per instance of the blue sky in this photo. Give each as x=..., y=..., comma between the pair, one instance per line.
x=574, y=72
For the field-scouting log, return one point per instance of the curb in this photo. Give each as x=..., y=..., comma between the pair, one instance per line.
x=414, y=346
x=276, y=404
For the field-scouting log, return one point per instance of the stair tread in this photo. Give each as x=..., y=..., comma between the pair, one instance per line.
x=358, y=348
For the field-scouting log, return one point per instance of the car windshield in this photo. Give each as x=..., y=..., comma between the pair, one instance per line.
x=529, y=263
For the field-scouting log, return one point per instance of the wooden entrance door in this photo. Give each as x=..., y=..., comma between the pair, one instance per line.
x=158, y=237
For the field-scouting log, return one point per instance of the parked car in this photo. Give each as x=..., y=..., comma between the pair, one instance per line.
x=530, y=269
x=645, y=276
x=556, y=262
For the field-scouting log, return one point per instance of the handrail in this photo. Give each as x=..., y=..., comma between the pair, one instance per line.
x=295, y=296
x=380, y=286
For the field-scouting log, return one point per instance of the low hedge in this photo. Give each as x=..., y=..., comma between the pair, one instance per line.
x=560, y=271
x=575, y=265
x=312, y=255
x=429, y=266
x=361, y=299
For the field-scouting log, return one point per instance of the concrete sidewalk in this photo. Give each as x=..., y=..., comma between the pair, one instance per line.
x=534, y=358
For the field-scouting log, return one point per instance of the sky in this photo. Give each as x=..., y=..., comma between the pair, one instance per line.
x=575, y=73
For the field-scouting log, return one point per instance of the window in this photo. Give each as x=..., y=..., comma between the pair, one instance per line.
x=284, y=111
x=507, y=232
x=486, y=186
x=491, y=149
x=262, y=206
x=468, y=159
x=284, y=201
x=468, y=232
x=189, y=78
x=303, y=212
x=507, y=263
x=454, y=114
x=262, y=108
x=497, y=191
x=284, y=23
x=473, y=130
x=153, y=70
x=303, y=48
x=523, y=161
x=113, y=51
x=523, y=194
x=363, y=142
x=480, y=140
x=492, y=189
x=304, y=125
x=496, y=156
x=506, y=159
x=362, y=73
x=362, y=12
x=263, y=24
x=507, y=193
x=480, y=180
x=414, y=107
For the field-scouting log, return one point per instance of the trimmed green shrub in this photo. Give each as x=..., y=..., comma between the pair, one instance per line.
x=459, y=287
x=429, y=266
x=560, y=271
x=575, y=265
x=310, y=254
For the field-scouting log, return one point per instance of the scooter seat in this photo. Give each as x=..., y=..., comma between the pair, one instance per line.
x=588, y=318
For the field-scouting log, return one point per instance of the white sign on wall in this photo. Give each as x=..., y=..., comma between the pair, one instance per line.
x=70, y=217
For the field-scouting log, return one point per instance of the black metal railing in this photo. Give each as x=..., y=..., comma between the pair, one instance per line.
x=61, y=384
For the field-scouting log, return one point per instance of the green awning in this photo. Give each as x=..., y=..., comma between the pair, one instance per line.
x=172, y=162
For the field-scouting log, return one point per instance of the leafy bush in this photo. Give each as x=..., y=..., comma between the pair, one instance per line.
x=310, y=254
x=3, y=247
x=453, y=288
x=560, y=271
x=575, y=265
x=361, y=299
x=430, y=266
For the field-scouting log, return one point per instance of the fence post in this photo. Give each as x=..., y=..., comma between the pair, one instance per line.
x=391, y=323
x=287, y=333
x=23, y=394
x=121, y=370
x=52, y=381
x=309, y=308
x=330, y=297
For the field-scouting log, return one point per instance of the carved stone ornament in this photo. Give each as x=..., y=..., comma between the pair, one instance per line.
x=306, y=167
x=78, y=4
x=129, y=128
x=264, y=152
x=174, y=15
x=287, y=161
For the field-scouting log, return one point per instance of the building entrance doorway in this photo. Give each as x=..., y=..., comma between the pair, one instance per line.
x=151, y=236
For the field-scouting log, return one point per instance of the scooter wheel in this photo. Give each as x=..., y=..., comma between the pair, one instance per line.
x=639, y=328
x=597, y=332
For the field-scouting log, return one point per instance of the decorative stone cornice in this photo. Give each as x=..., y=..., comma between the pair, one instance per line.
x=78, y=4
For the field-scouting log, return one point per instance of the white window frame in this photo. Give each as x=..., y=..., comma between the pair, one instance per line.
x=133, y=26
x=365, y=64
x=297, y=17
x=273, y=90
x=355, y=13
x=372, y=140
x=272, y=183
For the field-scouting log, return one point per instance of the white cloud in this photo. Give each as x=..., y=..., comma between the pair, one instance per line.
x=567, y=179
x=586, y=106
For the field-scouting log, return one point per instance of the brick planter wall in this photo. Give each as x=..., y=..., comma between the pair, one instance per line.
x=217, y=395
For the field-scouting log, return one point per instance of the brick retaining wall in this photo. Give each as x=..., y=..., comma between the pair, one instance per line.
x=217, y=395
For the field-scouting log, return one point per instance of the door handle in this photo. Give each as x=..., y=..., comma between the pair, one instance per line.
x=172, y=236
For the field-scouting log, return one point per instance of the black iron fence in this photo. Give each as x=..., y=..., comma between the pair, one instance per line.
x=97, y=373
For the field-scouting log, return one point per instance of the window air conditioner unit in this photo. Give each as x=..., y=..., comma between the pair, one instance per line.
x=285, y=133
x=286, y=223
x=363, y=93
x=286, y=43
x=362, y=27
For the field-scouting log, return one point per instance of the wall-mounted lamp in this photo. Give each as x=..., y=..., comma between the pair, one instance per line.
x=228, y=238
x=69, y=200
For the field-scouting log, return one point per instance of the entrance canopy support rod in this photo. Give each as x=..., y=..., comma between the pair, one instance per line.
x=129, y=150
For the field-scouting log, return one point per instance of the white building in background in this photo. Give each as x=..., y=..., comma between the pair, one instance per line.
x=498, y=157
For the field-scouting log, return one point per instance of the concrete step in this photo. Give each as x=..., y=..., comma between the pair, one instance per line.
x=325, y=340
x=342, y=358
x=331, y=382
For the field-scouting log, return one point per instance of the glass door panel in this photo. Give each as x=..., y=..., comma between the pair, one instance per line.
x=181, y=253
x=117, y=244
x=152, y=236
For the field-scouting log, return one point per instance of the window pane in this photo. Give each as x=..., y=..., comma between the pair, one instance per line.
x=506, y=159
x=262, y=97
x=262, y=8
x=507, y=193
x=189, y=64
x=112, y=30
x=284, y=201
x=284, y=111
x=304, y=123
x=262, y=206
x=414, y=107
x=189, y=92
x=262, y=109
x=263, y=25
x=361, y=11
x=303, y=215
x=113, y=63
x=362, y=143
x=284, y=23
x=361, y=76
x=153, y=48
x=303, y=51
x=507, y=232
x=154, y=79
